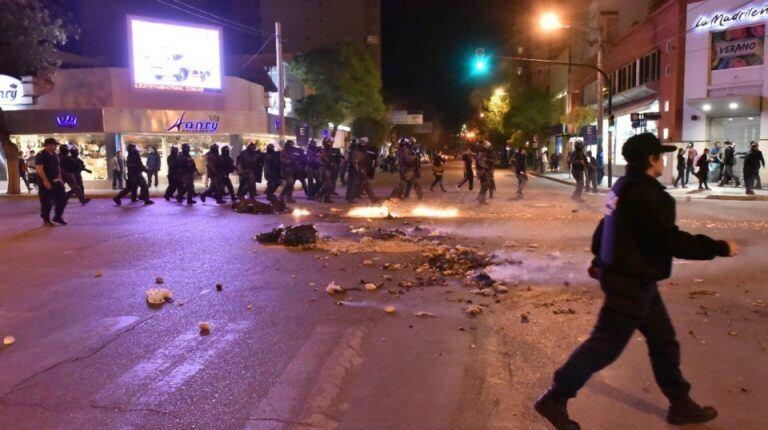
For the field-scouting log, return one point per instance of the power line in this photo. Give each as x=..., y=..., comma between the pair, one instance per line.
x=245, y=30
x=225, y=20
x=256, y=54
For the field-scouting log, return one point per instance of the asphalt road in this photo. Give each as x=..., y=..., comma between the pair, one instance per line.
x=282, y=353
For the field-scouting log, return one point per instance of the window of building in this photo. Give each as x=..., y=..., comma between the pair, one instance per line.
x=668, y=70
x=520, y=50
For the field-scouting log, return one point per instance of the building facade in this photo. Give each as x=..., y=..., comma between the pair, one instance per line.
x=725, y=74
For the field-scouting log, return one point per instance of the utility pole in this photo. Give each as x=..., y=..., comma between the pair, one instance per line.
x=280, y=82
x=600, y=84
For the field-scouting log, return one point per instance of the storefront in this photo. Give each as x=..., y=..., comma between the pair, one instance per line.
x=103, y=116
x=725, y=75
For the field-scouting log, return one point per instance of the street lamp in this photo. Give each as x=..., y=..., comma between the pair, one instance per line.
x=551, y=21
x=499, y=92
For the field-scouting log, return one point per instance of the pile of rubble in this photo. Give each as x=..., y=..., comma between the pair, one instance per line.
x=300, y=235
x=256, y=207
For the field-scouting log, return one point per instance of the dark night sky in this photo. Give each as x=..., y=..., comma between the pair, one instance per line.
x=427, y=46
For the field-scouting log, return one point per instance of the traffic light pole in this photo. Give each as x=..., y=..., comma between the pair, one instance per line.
x=607, y=79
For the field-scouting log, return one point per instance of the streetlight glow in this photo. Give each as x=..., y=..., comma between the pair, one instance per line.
x=550, y=21
x=499, y=92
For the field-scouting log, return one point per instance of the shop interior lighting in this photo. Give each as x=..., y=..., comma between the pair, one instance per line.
x=733, y=106
x=706, y=108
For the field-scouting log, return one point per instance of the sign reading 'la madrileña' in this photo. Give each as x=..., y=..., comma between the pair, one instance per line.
x=731, y=18
x=184, y=126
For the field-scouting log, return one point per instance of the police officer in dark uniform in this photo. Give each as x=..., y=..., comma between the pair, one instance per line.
x=187, y=172
x=51, y=188
x=633, y=246
x=136, y=179
x=250, y=164
x=363, y=162
x=329, y=161
x=174, y=176
x=224, y=167
x=409, y=164
x=313, y=169
x=351, y=172
x=69, y=170
x=211, y=169
x=272, y=171
x=78, y=165
x=483, y=161
x=289, y=170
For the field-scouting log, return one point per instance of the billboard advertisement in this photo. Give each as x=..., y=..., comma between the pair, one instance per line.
x=171, y=56
x=738, y=47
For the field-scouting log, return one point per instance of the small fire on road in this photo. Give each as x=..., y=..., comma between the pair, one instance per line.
x=370, y=212
x=424, y=211
x=299, y=212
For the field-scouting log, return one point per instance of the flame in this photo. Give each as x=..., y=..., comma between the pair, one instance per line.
x=299, y=212
x=424, y=211
x=369, y=212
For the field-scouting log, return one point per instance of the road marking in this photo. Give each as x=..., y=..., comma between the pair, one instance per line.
x=284, y=405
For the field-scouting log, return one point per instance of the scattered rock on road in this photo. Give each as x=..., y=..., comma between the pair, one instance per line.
x=205, y=328
x=158, y=296
x=473, y=310
x=389, y=310
x=159, y=280
x=332, y=288
x=9, y=340
x=424, y=314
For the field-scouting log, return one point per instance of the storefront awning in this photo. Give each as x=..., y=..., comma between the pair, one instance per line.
x=728, y=107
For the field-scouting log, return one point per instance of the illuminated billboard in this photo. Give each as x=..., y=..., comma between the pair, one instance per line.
x=171, y=56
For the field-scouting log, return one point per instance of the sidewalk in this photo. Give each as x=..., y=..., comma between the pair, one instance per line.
x=692, y=192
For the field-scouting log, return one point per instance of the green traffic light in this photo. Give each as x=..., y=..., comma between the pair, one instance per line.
x=481, y=65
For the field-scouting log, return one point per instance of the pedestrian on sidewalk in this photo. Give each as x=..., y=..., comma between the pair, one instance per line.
x=23, y=173
x=716, y=156
x=51, y=189
x=32, y=170
x=469, y=176
x=578, y=163
x=117, y=166
x=153, y=166
x=729, y=160
x=703, y=173
x=592, y=171
x=761, y=160
x=544, y=161
x=633, y=246
x=438, y=169
x=521, y=171
x=691, y=155
x=680, y=168
x=135, y=179
x=752, y=164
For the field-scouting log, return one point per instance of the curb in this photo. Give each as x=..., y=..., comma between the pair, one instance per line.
x=563, y=181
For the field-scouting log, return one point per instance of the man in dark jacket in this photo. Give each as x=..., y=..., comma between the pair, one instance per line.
x=752, y=163
x=51, y=188
x=521, y=171
x=250, y=164
x=174, y=176
x=469, y=176
x=69, y=170
x=633, y=246
x=78, y=165
x=578, y=162
x=409, y=163
x=272, y=171
x=135, y=177
x=187, y=171
x=592, y=170
x=313, y=169
x=363, y=163
x=729, y=160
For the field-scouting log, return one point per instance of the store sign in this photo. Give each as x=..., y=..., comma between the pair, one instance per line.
x=11, y=92
x=182, y=125
x=738, y=47
x=645, y=116
x=720, y=20
x=66, y=120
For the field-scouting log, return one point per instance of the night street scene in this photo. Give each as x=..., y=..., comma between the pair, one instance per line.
x=375, y=215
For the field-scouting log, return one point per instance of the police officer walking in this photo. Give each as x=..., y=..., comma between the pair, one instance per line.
x=409, y=163
x=521, y=171
x=578, y=169
x=289, y=169
x=135, y=178
x=51, y=188
x=211, y=169
x=633, y=246
x=364, y=165
x=469, y=176
x=69, y=168
x=313, y=169
x=329, y=167
x=174, y=176
x=187, y=171
x=272, y=171
x=225, y=167
x=483, y=160
x=78, y=165
x=752, y=163
x=250, y=164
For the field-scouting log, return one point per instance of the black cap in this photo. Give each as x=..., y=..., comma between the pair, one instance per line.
x=50, y=141
x=642, y=146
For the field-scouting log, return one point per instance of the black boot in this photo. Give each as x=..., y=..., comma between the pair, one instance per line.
x=686, y=411
x=555, y=410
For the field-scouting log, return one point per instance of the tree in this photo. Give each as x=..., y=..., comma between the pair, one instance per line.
x=318, y=110
x=532, y=111
x=346, y=76
x=30, y=31
x=495, y=109
x=374, y=129
x=578, y=117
